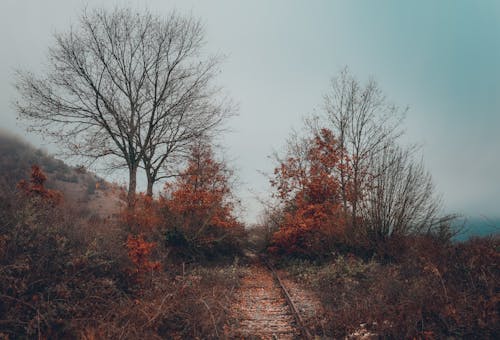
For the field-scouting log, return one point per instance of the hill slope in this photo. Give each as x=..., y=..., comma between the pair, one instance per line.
x=78, y=185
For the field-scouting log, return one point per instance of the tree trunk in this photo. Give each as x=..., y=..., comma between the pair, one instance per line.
x=132, y=185
x=149, y=191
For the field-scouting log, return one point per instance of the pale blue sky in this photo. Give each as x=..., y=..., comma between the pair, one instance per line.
x=441, y=58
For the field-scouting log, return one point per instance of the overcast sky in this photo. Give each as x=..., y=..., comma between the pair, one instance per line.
x=441, y=58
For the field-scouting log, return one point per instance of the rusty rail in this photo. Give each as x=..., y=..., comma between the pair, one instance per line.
x=300, y=322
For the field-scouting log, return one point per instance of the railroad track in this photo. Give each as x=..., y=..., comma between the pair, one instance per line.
x=295, y=311
x=265, y=308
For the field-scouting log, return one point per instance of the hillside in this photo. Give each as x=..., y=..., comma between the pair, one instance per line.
x=78, y=185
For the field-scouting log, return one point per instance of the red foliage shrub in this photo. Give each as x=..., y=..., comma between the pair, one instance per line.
x=313, y=219
x=202, y=192
x=35, y=188
x=199, y=208
x=141, y=219
x=139, y=252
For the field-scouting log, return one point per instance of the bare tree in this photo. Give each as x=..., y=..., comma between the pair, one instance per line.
x=401, y=199
x=363, y=121
x=128, y=87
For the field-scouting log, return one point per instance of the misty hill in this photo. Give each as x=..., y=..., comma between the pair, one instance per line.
x=78, y=185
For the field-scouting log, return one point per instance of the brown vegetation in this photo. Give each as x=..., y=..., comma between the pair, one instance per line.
x=65, y=275
x=431, y=291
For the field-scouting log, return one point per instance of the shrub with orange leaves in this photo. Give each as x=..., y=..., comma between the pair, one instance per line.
x=35, y=188
x=139, y=252
x=309, y=189
x=200, y=206
x=141, y=219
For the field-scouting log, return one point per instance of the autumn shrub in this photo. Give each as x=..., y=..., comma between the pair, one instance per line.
x=199, y=210
x=36, y=192
x=139, y=253
x=313, y=219
x=142, y=221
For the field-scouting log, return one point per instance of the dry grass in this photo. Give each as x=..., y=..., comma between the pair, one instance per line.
x=193, y=305
x=430, y=290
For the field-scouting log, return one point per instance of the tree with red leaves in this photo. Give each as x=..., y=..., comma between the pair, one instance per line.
x=309, y=189
x=200, y=202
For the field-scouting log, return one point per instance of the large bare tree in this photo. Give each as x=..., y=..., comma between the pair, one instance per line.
x=129, y=87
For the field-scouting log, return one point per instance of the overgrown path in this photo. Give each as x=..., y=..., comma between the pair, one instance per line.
x=261, y=310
